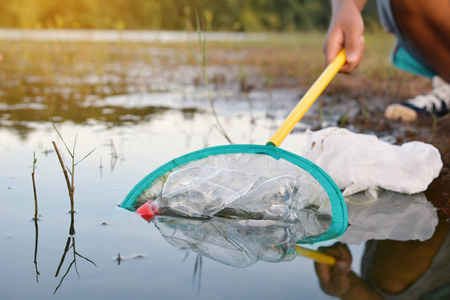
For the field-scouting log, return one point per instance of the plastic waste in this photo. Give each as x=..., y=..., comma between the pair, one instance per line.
x=237, y=243
x=206, y=191
x=392, y=216
x=263, y=166
x=357, y=162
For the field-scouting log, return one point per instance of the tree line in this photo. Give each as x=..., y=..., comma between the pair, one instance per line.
x=224, y=15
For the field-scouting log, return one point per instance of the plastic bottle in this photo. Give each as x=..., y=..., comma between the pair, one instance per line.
x=226, y=193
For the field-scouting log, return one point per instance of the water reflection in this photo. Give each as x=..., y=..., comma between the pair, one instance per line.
x=114, y=156
x=407, y=253
x=70, y=244
x=233, y=242
x=18, y=120
x=36, y=244
x=197, y=276
x=391, y=269
x=391, y=216
x=407, y=247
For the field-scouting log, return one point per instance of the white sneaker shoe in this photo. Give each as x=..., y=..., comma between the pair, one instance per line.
x=436, y=103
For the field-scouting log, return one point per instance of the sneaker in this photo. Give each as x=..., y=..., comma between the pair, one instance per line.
x=436, y=103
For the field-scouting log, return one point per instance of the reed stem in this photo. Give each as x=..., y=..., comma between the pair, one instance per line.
x=70, y=186
x=34, y=187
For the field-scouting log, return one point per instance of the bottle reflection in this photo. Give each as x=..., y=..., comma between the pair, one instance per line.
x=233, y=242
x=393, y=269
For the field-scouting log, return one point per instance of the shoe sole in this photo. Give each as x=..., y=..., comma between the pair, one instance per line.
x=398, y=111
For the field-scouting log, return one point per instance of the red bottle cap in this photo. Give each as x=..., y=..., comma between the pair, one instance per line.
x=148, y=210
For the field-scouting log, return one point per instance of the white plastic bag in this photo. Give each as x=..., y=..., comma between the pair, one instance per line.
x=357, y=162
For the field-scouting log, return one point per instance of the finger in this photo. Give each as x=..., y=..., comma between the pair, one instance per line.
x=344, y=255
x=354, y=48
x=323, y=272
x=333, y=45
x=338, y=250
x=340, y=272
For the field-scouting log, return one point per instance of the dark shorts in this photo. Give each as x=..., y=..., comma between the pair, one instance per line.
x=404, y=55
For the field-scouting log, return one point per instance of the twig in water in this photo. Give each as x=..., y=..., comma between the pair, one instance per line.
x=35, y=218
x=70, y=188
x=113, y=150
x=69, y=181
x=114, y=156
x=34, y=187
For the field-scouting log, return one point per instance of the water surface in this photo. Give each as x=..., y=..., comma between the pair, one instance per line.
x=136, y=121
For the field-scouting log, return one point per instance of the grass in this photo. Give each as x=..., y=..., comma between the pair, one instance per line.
x=34, y=187
x=69, y=172
x=202, y=63
x=288, y=59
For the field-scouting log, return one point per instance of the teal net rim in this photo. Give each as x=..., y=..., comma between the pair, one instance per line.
x=339, y=220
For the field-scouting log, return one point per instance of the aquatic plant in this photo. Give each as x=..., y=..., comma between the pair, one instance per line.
x=202, y=63
x=69, y=181
x=34, y=187
x=69, y=175
x=36, y=239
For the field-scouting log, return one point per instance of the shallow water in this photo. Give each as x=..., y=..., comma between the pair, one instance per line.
x=125, y=36
x=132, y=134
x=103, y=231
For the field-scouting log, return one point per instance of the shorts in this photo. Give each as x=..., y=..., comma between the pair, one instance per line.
x=404, y=55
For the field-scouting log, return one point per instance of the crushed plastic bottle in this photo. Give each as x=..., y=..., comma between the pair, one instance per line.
x=205, y=192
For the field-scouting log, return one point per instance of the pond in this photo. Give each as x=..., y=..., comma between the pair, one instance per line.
x=115, y=254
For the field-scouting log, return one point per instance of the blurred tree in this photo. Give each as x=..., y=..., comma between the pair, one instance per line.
x=229, y=15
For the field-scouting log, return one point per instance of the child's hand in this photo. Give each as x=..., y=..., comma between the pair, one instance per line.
x=334, y=280
x=346, y=32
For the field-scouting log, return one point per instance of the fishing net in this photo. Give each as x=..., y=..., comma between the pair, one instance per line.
x=245, y=186
x=249, y=182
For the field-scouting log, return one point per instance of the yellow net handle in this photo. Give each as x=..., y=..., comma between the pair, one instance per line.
x=315, y=255
x=308, y=99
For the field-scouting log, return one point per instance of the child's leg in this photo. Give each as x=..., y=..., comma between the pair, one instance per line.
x=426, y=24
x=422, y=30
